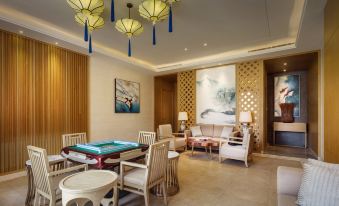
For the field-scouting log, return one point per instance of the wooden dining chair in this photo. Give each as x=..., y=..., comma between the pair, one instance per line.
x=146, y=137
x=142, y=178
x=73, y=139
x=47, y=181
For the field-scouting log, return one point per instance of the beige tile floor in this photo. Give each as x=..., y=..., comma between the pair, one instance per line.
x=202, y=182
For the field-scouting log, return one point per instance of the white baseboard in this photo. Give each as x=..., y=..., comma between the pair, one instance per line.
x=12, y=176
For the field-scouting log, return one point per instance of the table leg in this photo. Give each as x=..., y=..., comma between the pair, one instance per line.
x=192, y=149
x=211, y=152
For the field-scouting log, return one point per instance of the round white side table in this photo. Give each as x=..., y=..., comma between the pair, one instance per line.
x=91, y=185
x=172, y=182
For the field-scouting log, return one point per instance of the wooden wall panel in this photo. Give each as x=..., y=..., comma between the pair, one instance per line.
x=43, y=95
x=186, y=95
x=331, y=82
x=250, y=97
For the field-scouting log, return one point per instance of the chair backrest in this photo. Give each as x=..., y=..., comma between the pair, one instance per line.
x=157, y=163
x=165, y=131
x=40, y=169
x=73, y=139
x=146, y=137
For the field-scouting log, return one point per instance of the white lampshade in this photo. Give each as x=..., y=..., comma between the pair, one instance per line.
x=182, y=116
x=245, y=117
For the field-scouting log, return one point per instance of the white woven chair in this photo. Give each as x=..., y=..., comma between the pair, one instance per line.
x=239, y=149
x=177, y=140
x=142, y=178
x=73, y=139
x=146, y=137
x=47, y=181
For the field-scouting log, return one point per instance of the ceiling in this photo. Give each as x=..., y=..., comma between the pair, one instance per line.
x=229, y=27
x=291, y=63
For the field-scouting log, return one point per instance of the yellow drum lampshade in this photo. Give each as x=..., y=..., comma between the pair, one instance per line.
x=245, y=117
x=182, y=116
x=154, y=11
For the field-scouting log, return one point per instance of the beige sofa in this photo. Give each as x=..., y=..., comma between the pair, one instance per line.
x=288, y=184
x=210, y=131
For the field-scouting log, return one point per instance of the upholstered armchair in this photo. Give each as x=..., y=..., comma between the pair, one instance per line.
x=177, y=140
x=236, y=148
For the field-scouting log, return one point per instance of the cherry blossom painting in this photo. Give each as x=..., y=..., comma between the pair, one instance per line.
x=127, y=96
x=287, y=90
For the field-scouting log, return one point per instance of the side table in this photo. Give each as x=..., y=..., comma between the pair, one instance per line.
x=56, y=162
x=172, y=182
x=207, y=143
x=91, y=185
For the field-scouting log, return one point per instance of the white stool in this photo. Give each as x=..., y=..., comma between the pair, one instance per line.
x=91, y=185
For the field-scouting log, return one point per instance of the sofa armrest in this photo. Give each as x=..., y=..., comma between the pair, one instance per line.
x=288, y=180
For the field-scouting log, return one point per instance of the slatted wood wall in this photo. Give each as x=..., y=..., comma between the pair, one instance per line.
x=43, y=94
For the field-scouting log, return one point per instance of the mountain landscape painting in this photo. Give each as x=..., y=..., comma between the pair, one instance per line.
x=216, y=95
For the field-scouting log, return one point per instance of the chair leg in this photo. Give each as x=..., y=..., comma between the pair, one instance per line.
x=146, y=195
x=52, y=201
x=37, y=198
x=164, y=190
x=246, y=163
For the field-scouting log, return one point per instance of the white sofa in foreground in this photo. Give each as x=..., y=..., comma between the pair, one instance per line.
x=288, y=184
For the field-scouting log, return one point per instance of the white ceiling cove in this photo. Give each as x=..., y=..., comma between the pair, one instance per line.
x=231, y=28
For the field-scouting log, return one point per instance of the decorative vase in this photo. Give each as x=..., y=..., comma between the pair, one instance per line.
x=287, y=112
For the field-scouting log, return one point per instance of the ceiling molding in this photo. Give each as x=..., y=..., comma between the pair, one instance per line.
x=38, y=25
x=43, y=27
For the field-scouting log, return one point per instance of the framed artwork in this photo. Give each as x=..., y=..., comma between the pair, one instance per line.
x=216, y=95
x=127, y=96
x=287, y=90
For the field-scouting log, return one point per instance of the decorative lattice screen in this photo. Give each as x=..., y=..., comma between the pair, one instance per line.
x=186, y=95
x=250, y=96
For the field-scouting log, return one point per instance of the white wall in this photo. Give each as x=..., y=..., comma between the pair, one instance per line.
x=103, y=121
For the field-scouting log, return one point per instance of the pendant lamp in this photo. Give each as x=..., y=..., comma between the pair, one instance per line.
x=170, y=19
x=154, y=11
x=129, y=27
x=92, y=22
x=87, y=7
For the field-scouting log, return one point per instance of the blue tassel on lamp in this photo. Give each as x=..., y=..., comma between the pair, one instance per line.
x=154, y=38
x=129, y=48
x=112, y=11
x=90, y=45
x=86, y=31
x=170, y=23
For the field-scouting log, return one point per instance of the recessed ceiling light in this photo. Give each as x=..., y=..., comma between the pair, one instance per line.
x=56, y=43
x=205, y=44
x=186, y=49
x=284, y=70
x=285, y=64
x=21, y=32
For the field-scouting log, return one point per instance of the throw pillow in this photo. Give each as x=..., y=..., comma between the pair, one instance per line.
x=320, y=186
x=323, y=164
x=226, y=131
x=196, y=131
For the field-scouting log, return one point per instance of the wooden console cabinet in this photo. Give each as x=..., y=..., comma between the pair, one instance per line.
x=290, y=127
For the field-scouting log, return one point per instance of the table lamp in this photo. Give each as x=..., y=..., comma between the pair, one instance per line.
x=182, y=117
x=245, y=119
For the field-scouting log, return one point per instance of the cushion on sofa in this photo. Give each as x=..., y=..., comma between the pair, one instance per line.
x=196, y=131
x=206, y=129
x=226, y=131
x=320, y=185
x=179, y=142
x=217, y=130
